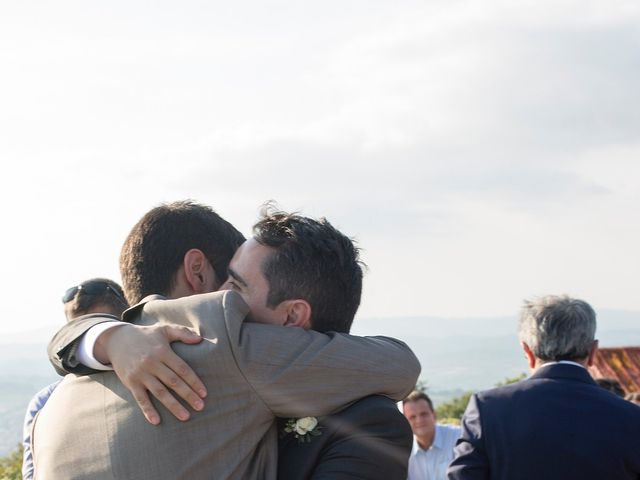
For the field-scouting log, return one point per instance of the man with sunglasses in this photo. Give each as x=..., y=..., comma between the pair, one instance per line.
x=98, y=297
x=253, y=371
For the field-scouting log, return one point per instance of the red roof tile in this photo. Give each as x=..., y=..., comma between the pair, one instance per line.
x=621, y=363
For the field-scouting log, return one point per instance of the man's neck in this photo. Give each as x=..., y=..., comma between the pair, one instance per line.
x=425, y=442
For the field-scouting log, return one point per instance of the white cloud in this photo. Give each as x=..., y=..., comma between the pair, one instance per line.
x=480, y=152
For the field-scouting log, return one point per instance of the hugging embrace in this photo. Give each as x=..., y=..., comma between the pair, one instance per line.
x=262, y=330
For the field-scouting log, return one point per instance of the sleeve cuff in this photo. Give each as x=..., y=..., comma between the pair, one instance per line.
x=88, y=341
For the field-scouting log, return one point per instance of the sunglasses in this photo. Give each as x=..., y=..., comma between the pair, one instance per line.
x=93, y=288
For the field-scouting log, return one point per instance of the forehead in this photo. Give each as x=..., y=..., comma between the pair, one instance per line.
x=417, y=406
x=249, y=258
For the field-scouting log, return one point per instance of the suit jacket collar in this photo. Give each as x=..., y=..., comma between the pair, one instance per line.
x=564, y=371
x=131, y=313
x=232, y=302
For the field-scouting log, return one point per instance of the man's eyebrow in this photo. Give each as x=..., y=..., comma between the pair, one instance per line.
x=237, y=277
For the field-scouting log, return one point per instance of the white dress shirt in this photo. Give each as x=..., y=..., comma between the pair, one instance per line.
x=87, y=342
x=432, y=463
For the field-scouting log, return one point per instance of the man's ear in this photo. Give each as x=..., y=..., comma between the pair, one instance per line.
x=298, y=314
x=529, y=355
x=196, y=273
x=592, y=353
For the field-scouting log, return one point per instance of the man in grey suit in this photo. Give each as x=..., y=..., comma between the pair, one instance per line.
x=253, y=371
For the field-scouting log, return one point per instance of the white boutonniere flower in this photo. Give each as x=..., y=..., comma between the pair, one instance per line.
x=303, y=428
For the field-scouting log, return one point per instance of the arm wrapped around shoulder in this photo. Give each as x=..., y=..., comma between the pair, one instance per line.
x=63, y=347
x=300, y=373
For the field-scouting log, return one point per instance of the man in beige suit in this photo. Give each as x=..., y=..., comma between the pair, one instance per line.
x=252, y=371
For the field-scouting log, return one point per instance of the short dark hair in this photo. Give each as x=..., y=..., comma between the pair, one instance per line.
x=155, y=248
x=92, y=294
x=611, y=384
x=312, y=261
x=417, y=395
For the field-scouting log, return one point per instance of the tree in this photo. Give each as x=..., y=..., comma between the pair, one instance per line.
x=11, y=465
x=421, y=386
x=509, y=380
x=452, y=411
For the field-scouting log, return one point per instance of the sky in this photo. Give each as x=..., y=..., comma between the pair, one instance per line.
x=479, y=153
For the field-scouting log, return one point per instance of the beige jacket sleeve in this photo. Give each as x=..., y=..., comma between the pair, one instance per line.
x=300, y=373
x=63, y=347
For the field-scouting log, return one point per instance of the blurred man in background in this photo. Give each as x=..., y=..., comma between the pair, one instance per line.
x=433, y=443
x=612, y=385
x=96, y=296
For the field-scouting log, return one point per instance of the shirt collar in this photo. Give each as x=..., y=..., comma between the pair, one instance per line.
x=437, y=442
x=437, y=438
x=563, y=362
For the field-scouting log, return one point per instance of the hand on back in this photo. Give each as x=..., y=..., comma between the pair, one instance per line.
x=145, y=363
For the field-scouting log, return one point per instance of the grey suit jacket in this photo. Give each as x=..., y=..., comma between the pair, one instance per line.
x=91, y=428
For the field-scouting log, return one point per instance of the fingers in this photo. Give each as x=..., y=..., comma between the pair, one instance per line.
x=143, y=401
x=181, y=334
x=187, y=384
x=167, y=377
x=162, y=394
x=146, y=365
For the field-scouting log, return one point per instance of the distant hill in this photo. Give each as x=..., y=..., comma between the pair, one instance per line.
x=24, y=370
x=456, y=355
x=475, y=353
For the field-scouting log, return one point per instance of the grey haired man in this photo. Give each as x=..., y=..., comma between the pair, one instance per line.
x=558, y=424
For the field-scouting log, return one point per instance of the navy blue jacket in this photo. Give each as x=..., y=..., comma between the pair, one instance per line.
x=558, y=424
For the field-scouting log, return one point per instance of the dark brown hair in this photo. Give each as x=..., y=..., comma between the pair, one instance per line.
x=417, y=395
x=312, y=261
x=155, y=248
x=97, y=295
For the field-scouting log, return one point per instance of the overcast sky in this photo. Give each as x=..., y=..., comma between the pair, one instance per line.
x=479, y=152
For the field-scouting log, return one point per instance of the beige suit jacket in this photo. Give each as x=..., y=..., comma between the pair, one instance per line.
x=91, y=427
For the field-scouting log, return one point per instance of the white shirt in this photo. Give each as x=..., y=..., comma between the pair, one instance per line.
x=431, y=464
x=564, y=362
x=87, y=342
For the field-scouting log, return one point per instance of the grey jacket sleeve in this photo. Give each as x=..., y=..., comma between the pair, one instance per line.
x=300, y=373
x=63, y=346
x=470, y=458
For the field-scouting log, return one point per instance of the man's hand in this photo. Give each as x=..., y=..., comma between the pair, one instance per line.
x=144, y=362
